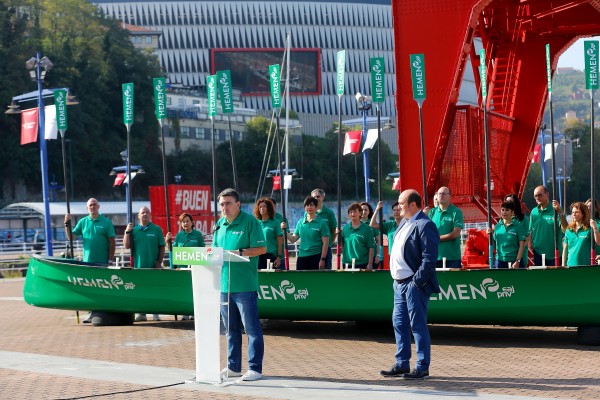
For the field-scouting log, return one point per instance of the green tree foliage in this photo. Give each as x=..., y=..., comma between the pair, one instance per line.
x=93, y=56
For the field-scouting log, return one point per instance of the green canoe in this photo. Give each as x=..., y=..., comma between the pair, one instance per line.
x=540, y=297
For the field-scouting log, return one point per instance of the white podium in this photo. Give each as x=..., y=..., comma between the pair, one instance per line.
x=206, y=264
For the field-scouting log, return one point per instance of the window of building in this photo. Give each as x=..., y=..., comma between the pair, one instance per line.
x=149, y=39
x=185, y=131
x=139, y=39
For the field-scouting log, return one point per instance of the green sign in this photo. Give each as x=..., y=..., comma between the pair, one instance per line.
x=160, y=97
x=377, y=79
x=197, y=255
x=274, y=72
x=483, y=73
x=341, y=69
x=590, y=47
x=548, y=68
x=417, y=73
x=211, y=90
x=128, y=103
x=60, y=101
x=225, y=91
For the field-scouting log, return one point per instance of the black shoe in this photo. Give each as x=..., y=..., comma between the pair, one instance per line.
x=417, y=374
x=88, y=320
x=394, y=371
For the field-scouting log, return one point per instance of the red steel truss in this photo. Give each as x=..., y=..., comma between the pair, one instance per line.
x=514, y=34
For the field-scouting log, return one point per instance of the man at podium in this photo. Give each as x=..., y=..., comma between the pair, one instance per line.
x=239, y=231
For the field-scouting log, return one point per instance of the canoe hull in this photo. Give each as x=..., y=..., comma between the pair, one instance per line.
x=544, y=297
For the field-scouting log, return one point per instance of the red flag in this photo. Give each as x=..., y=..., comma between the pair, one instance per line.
x=276, y=183
x=537, y=152
x=119, y=178
x=396, y=185
x=352, y=142
x=29, y=126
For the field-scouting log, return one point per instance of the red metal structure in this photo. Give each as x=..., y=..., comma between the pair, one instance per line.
x=514, y=34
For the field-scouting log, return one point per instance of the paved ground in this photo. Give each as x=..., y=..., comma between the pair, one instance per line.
x=45, y=354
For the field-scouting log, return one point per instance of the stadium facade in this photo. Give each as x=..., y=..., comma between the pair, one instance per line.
x=192, y=32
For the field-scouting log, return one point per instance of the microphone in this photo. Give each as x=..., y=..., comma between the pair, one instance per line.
x=215, y=229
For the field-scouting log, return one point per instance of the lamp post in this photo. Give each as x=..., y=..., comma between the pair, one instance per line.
x=364, y=105
x=38, y=67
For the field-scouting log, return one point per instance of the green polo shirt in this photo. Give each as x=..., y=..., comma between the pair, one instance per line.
x=508, y=239
x=278, y=217
x=271, y=228
x=95, y=235
x=329, y=216
x=192, y=239
x=541, y=230
x=446, y=221
x=357, y=243
x=578, y=247
x=147, y=241
x=389, y=228
x=244, y=232
x=311, y=234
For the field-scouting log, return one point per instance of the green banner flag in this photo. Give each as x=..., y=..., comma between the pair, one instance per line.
x=60, y=101
x=417, y=73
x=548, y=68
x=377, y=79
x=590, y=47
x=225, y=91
x=128, y=103
x=274, y=72
x=341, y=70
x=483, y=73
x=197, y=255
x=160, y=97
x=211, y=90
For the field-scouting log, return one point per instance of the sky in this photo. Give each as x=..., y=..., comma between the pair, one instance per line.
x=573, y=56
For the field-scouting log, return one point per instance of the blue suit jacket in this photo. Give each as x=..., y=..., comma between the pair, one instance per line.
x=421, y=252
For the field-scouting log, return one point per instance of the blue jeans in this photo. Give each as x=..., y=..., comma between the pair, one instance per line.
x=243, y=309
x=328, y=259
x=410, y=312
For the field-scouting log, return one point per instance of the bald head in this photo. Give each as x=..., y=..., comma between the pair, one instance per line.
x=93, y=207
x=144, y=216
x=409, y=203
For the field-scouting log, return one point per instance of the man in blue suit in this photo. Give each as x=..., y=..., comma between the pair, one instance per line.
x=412, y=265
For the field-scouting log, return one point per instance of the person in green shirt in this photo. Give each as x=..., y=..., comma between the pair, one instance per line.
x=449, y=220
x=98, y=236
x=365, y=218
x=577, y=241
x=596, y=217
x=329, y=216
x=264, y=211
x=357, y=240
x=523, y=221
x=542, y=227
x=147, y=245
x=188, y=236
x=239, y=231
x=313, y=233
x=509, y=238
x=388, y=227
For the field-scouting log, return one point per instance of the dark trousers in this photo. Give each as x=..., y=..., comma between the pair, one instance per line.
x=307, y=263
x=537, y=259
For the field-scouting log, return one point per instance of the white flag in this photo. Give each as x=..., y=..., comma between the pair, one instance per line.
x=50, y=127
x=287, y=181
x=371, y=139
x=126, y=180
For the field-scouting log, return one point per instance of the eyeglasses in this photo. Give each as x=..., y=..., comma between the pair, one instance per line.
x=538, y=195
x=443, y=193
x=317, y=197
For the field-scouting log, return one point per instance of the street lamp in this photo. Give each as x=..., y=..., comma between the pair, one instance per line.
x=364, y=105
x=38, y=68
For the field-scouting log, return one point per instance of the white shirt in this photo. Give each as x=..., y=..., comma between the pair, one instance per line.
x=398, y=267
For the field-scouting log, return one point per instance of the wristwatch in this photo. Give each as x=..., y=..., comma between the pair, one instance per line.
x=241, y=252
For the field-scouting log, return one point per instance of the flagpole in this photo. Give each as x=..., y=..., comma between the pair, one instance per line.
x=483, y=79
x=341, y=65
x=214, y=168
x=233, y=163
x=379, y=186
x=591, y=82
x=160, y=106
x=552, y=152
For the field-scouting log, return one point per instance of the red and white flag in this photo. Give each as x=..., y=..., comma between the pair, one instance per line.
x=352, y=142
x=119, y=179
x=29, y=126
x=50, y=127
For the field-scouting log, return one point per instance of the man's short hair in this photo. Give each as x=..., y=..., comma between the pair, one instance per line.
x=229, y=192
x=273, y=200
x=396, y=204
x=321, y=192
x=414, y=197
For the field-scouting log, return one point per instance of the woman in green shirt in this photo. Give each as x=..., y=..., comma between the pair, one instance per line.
x=365, y=218
x=509, y=238
x=576, y=244
x=188, y=236
x=264, y=212
x=524, y=221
